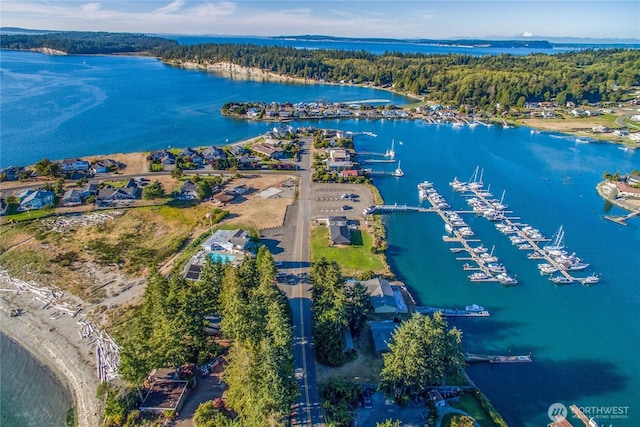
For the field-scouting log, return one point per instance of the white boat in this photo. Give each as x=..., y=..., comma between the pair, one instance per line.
x=535, y=255
x=496, y=267
x=557, y=241
x=424, y=189
x=458, y=185
x=505, y=279
x=480, y=277
x=589, y=280
x=525, y=247
x=561, y=280
x=480, y=249
x=390, y=151
x=448, y=227
x=547, y=268
x=474, y=308
x=398, y=172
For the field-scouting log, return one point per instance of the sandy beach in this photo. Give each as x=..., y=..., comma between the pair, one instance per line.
x=56, y=344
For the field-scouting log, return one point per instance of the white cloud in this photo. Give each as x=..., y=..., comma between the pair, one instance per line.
x=171, y=7
x=527, y=34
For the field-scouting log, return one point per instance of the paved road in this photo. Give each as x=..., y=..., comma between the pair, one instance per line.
x=306, y=410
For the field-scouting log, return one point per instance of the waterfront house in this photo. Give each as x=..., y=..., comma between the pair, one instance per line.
x=35, y=199
x=162, y=157
x=73, y=165
x=213, y=153
x=10, y=173
x=227, y=240
x=98, y=167
x=382, y=295
x=191, y=156
x=237, y=150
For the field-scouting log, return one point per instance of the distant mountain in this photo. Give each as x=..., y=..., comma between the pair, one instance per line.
x=16, y=30
x=475, y=43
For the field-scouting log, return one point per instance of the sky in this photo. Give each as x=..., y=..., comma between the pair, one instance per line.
x=434, y=19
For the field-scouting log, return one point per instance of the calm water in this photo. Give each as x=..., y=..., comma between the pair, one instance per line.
x=32, y=396
x=584, y=340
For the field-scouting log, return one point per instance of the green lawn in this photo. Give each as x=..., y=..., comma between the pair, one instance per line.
x=471, y=406
x=352, y=259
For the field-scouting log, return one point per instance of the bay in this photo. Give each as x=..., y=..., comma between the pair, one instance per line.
x=32, y=396
x=583, y=339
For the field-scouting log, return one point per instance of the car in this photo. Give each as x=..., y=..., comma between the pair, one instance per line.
x=346, y=207
x=345, y=196
x=354, y=196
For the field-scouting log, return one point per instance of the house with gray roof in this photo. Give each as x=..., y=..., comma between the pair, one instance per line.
x=382, y=295
x=340, y=235
x=227, y=240
x=72, y=197
x=188, y=191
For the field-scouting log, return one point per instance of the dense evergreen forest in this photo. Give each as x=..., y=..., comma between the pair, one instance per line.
x=78, y=43
x=590, y=75
x=582, y=76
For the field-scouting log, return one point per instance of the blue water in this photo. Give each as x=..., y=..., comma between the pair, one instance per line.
x=32, y=396
x=584, y=340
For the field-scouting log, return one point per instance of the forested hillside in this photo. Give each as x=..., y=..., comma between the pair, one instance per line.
x=586, y=75
x=77, y=42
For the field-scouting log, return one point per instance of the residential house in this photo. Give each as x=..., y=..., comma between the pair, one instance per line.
x=72, y=197
x=213, y=153
x=382, y=295
x=3, y=207
x=163, y=157
x=269, y=151
x=223, y=198
x=89, y=190
x=72, y=165
x=351, y=173
x=227, y=240
x=98, y=167
x=381, y=334
x=339, y=220
x=35, y=199
x=10, y=173
x=112, y=194
x=237, y=150
x=338, y=166
x=188, y=191
x=192, y=156
x=339, y=155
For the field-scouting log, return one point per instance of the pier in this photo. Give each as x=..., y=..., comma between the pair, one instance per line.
x=394, y=208
x=469, y=311
x=522, y=235
x=481, y=358
x=621, y=219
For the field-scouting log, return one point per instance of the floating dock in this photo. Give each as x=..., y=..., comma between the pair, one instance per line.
x=481, y=358
x=453, y=312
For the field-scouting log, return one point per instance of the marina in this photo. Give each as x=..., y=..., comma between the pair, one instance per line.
x=485, y=265
x=524, y=236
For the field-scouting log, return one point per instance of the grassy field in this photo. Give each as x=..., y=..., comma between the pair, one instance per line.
x=352, y=259
x=469, y=404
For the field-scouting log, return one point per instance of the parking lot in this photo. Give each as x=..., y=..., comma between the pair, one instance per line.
x=339, y=199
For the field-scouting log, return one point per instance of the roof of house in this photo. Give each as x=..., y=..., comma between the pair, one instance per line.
x=381, y=333
x=340, y=234
x=381, y=292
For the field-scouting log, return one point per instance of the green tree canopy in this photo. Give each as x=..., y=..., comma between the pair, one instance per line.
x=421, y=352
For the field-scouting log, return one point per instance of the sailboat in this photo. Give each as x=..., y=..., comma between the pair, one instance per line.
x=390, y=151
x=398, y=172
x=557, y=242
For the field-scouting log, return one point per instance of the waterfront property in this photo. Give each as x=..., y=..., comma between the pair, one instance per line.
x=227, y=240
